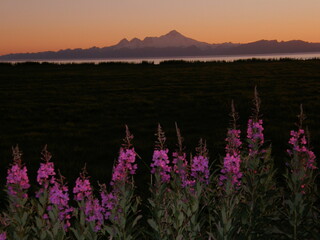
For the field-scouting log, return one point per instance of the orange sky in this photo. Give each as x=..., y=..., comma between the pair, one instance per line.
x=40, y=25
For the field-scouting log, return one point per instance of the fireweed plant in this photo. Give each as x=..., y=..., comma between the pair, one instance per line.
x=300, y=216
x=121, y=205
x=258, y=185
x=19, y=211
x=189, y=178
x=229, y=182
x=87, y=214
x=116, y=214
x=51, y=202
x=160, y=189
x=239, y=200
x=176, y=190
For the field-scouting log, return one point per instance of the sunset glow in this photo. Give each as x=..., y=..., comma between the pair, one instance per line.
x=44, y=25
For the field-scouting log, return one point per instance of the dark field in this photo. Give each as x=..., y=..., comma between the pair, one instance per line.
x=80, y=110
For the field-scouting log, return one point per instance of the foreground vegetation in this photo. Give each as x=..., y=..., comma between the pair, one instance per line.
x=240, y=199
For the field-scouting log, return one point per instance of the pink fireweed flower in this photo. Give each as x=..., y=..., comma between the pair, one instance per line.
x=180, y=166
x=3, y=236
x=298, y=142
x=126, y=165
x=200, y=169
x=59, y=196
x=83, y=189
x=160, y=162
x=108, y=201
x=255, y=136
x=17, y=180
x=232, y=160
x=46, y=174
x=231, y=170
x=94, y=212
x=233, y=142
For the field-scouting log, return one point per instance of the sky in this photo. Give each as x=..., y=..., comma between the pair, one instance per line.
x=41, y=25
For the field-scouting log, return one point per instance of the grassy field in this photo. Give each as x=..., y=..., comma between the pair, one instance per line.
x=80, y=110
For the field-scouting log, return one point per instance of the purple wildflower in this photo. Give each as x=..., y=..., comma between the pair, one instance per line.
x=46, y=171
x=234, y=142
x=200, y=164
x=255, y=129
x=200, y=169
x=45, y=177
x=255, y=136
x=180, y=166
x=299, y=145
x=231, y=169
x=3, y=236
x=46, y=174
x=180, y=163
x=59, y=196
x=83, y=189
x=17, y=178
x=94, y=212
x=126, y=165
x=108, y=202
x=161, y=163
x=231, y=162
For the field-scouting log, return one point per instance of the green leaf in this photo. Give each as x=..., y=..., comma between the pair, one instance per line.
x=39, y=222
x=135, y=221
x=179, y=237
x=43, y=235
x=55, y=228
x=24, y=218
x=110, y=230
x=180, y=219
x=153, y=224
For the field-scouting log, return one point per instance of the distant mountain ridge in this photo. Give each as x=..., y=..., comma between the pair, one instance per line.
x=172, y=44
x=172, y=39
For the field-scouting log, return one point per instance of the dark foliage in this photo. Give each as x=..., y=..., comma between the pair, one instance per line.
x=80, y=110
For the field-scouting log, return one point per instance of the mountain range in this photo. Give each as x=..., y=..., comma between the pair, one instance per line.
x=172, y=44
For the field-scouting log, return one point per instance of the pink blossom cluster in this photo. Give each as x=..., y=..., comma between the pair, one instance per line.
x=234, y=142
x=231, y=162
x=3, y=236
x=17, y=180
x=180, y=166
x=126, y=165
x=58, y=195
x=46, y=174
x=255, y=136
x=92, y=208
x=83, y=189
x=299, y=145
x=231, y=169
x=200, y=169
x=160, y=163
x=108, y=202
x=94, y=212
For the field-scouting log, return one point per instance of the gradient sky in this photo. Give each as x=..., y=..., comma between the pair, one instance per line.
x=40, y=25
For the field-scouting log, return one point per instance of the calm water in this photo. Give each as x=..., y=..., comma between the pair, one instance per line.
x=201, y=58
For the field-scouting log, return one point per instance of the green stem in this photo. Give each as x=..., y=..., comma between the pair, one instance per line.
x=295, y=225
